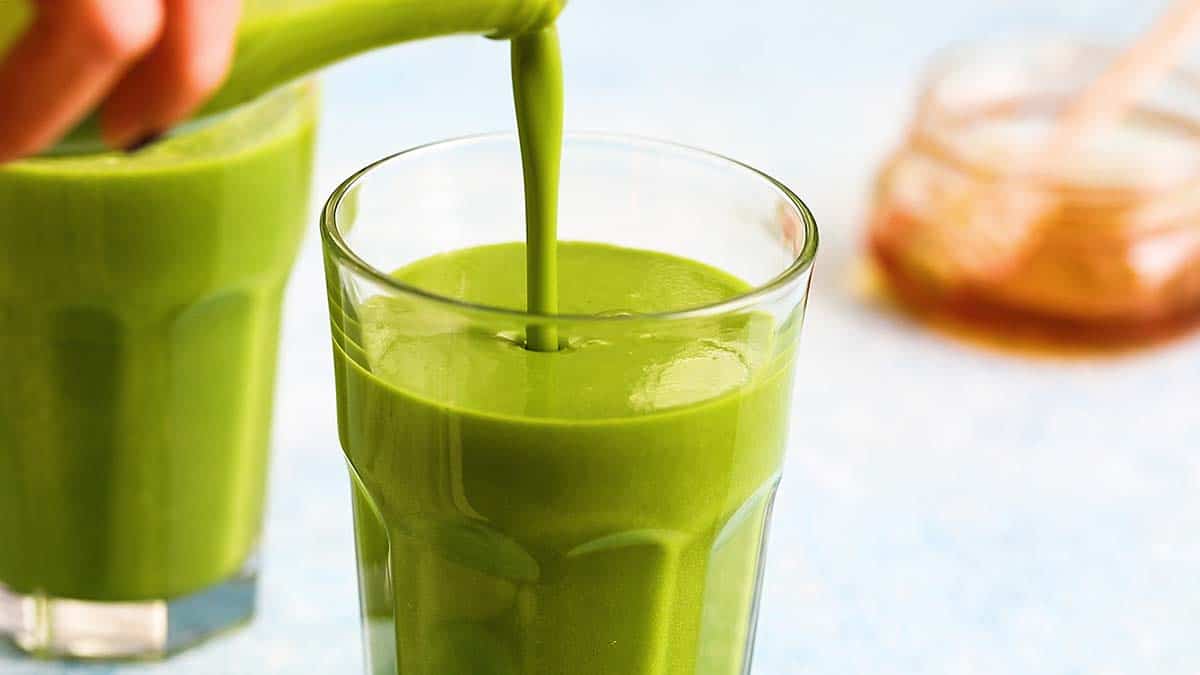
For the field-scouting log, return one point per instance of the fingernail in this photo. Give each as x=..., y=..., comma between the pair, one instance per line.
x=143, y=142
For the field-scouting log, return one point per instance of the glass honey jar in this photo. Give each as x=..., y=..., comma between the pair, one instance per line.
x=1097, y=247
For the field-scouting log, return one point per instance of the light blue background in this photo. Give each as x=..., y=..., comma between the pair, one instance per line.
x=945, y=510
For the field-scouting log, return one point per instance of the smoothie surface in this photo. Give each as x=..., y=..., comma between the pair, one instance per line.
x=600, y=371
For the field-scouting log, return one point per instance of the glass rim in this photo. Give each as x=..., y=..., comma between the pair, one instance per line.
x=333, y=240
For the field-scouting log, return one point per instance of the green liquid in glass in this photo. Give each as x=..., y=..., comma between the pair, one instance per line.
x=599, y=509
x=139, y=314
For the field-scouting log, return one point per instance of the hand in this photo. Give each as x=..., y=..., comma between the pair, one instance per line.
x=148, y=64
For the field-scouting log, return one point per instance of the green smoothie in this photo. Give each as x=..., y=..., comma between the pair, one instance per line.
x=595, y=510
x=139, y=313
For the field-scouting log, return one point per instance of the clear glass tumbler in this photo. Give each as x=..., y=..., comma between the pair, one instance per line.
x=596, y=510
x=139, y=311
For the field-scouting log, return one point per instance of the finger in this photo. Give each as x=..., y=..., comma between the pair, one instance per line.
x=186, y=66
x=58, y=71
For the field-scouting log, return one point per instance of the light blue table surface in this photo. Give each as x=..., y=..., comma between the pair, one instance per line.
x=945, y=510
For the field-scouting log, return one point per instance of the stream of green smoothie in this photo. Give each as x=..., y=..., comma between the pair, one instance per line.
x=538, y=96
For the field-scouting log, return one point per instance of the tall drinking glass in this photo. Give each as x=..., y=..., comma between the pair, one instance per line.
x=594, y=510
x=139, y=314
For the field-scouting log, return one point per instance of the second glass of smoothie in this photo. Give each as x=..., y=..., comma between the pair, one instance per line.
x=598, y=509
x=139, y=316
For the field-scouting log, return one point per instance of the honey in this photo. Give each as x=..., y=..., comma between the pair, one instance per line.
x=1099, y=251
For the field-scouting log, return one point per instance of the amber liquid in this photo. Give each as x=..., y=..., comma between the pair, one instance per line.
x=1115, y=264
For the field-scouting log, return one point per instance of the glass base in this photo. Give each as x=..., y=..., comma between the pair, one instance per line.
x=78, y=629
